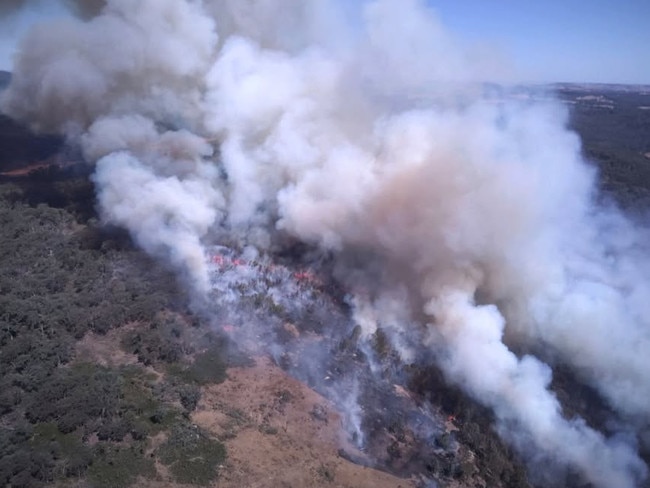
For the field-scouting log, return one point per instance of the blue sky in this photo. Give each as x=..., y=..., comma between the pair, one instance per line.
x=543, y=40
x=559, y=40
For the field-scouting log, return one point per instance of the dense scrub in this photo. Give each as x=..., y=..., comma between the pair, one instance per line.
x=191, y=456
x=54, y=288
x=615, y=132
x=63, y=277
x=20, y=147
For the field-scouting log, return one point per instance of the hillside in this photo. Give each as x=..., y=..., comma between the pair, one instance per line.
x=109, y=377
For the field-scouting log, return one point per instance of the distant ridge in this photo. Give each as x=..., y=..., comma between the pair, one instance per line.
x=611, y=87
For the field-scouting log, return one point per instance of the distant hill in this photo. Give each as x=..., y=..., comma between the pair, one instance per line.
x=601, y=87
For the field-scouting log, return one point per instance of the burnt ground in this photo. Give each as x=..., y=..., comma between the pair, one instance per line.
x=280, y=418
x=21, y=148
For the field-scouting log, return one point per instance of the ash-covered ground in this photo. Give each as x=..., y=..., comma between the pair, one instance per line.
x=401, y=418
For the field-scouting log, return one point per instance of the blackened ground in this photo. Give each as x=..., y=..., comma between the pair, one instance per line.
x=19, y=147
x=64, y=187
x=410, y=422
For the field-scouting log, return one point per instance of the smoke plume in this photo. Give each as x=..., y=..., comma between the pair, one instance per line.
x=84, y=8
x=257, y=121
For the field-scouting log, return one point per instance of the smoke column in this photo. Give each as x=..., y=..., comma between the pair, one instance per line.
x=262, y=119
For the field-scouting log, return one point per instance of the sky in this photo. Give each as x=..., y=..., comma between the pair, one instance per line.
x=600, y=41
x=14, y=24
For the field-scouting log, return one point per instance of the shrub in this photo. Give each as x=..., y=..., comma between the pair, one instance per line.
x=118, y=467
x=189, y=396
x=191, y=456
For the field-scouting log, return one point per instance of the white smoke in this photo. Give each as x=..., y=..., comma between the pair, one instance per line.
x=264, y=118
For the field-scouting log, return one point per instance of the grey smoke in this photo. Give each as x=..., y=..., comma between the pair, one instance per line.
x=83, y=8
x=372, y=136
x=10, y=6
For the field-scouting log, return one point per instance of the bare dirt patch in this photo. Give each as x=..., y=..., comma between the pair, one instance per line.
x=105, y=349
x=280, y=433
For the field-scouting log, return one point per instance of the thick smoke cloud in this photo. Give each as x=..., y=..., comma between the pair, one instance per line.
x=262, y=119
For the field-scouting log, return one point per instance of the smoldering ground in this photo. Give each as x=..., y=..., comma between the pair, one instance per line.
x=459, y=225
